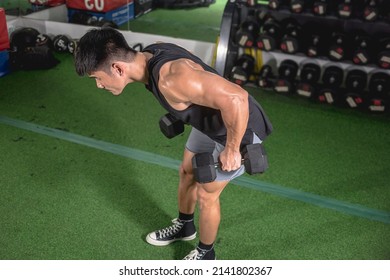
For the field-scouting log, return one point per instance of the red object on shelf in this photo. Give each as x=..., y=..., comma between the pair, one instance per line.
x=49, y=3
x=96, y=5
x=4, y=38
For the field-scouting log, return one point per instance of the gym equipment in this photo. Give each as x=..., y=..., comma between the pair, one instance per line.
x=338, y=46
x=378, y=96
x=254, y=159
x=276, y=4
x=332, y=79
x=363, y=48
x=299, y=6
x=243, y=69
x=355, y=84
x=270, y=35
x=23, y=38
x=320, y=7
x=344, y=9
x=309, y=75
x=226, y=50
x=266, y=78
x=383, y=59
x=290, y=42
x=171, y=126
x=246, y=35
x=315, y=40
x=60, y=43
x=287, y=71
x=72, y=45
x=371, y=10
x=44, y=40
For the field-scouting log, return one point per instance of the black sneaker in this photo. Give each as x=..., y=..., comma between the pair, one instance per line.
x=180, y=230
x=200, y=254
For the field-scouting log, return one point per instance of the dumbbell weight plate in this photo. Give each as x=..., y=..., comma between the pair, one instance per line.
x=288, y=70
x=266, y=77
x=319, y=8
x=356, y=80
x=242, y=69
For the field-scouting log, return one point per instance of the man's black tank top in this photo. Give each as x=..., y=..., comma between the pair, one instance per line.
x=205, y=119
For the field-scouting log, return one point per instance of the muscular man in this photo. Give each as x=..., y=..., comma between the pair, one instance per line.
x=223, y=116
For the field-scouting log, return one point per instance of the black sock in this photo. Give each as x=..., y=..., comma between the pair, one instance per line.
x=205, y=246
x=186, y=217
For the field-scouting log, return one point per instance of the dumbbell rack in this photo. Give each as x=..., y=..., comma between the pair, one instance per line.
x=237, y=11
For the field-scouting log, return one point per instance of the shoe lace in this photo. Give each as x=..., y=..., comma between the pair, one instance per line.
x=195, y=255
x=172, y=229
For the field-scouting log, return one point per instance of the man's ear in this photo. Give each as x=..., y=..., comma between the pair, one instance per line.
x=117, y=68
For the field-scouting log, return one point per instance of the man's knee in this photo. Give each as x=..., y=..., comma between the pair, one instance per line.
x=207, y=197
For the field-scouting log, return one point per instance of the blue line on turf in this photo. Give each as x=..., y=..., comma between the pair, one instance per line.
x=244, y=181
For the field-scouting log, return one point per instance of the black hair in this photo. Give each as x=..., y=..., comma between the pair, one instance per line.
x=98, y=48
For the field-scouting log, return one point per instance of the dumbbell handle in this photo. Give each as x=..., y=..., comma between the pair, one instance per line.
x=254, y=159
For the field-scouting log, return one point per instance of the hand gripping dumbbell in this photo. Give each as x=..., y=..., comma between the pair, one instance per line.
x=170, y=126
x=254, y=159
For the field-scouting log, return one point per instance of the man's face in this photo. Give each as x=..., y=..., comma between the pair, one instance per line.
x=112, y=82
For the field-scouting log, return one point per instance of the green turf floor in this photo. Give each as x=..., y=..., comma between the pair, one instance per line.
x=62, y=200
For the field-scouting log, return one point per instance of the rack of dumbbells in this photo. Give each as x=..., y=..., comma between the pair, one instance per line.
x=330, y=51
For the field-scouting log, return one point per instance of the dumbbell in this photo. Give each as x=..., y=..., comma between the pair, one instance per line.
x=247, y=33
x=72, y=45
x=170, y=126
x=344, y=9
x=276, y=4
x=254, y=159
x=338, y=47
x=44, y=40
x=364, y=47
x=287, y=71
x=266, y=78
x=299, y=6
x=378, y=92
x=383, y=59
x=291, y=40
x=316, y=39
x=371, y=10
x=355, y=85
x=243, y=69
x=332, y=79
x=60, y=43
x=320, y=7
x=270, y=34
x=309, y=76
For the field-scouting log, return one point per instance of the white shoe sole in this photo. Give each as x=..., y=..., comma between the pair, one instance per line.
x=167, y=242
